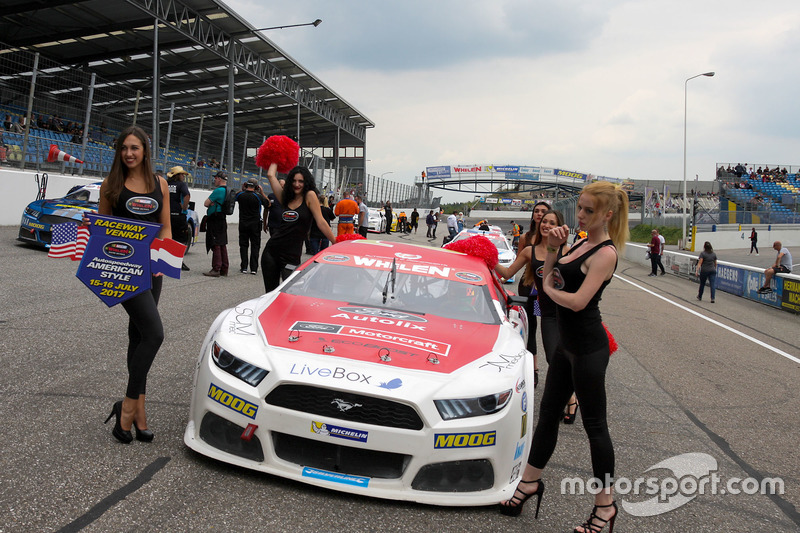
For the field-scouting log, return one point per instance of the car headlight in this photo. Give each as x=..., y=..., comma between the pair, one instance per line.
x=469, y=407
x=225, y=360
x=33, y=212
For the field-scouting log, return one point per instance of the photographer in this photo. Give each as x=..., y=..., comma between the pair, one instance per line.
x=250, y=200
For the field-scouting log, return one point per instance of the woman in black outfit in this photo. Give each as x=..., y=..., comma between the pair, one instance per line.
x=131, y=177
x=298, y=196
x=575, y=282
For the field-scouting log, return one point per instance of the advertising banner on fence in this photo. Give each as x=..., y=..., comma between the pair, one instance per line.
x=790, y=295
x=754, y=280
x=730, y=279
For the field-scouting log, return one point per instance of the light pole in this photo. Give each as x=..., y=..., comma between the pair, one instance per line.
x=315, y=24
x=685, y=87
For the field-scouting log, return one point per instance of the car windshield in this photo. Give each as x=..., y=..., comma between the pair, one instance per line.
x=85, y=194
x=499, y=241
x=402, y=291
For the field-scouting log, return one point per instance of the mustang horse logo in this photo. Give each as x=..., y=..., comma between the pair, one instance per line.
x=345, y=406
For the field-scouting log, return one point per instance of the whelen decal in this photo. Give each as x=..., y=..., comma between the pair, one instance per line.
x=384, y=264
x=321, y=428
x=464, y=440
x=344, y=479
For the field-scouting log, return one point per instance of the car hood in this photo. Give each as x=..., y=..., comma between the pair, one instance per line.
x=63, y=207
x=361, y=333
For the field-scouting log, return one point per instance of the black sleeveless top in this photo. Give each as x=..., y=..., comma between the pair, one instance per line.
x=286, y=242
x=547, y=307
x=145, y=207
x=581, y=331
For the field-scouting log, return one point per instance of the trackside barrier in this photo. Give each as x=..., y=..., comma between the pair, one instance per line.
x=740, y=280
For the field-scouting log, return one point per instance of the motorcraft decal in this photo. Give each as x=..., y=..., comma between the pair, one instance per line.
x=344, y=479
x=329, y=430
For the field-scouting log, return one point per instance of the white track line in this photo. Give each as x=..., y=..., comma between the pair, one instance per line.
x=715, y=322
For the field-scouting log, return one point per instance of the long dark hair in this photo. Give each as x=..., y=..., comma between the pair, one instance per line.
x=308, y=184
x=527, y=278
x=119, y=171
x=707, y=247
x=532, y=229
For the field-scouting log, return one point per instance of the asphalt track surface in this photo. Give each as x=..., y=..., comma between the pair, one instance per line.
x=689, y=377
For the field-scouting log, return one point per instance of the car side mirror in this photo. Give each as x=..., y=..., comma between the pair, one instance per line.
x=514, y=299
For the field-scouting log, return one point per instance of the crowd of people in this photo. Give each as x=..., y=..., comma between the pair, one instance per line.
x=763, y=174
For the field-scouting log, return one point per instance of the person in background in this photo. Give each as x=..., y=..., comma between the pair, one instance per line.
x=250, y=200
x=707, y=270
x=178, y=206
x=783, y=265
x=753, y=241
x=217, y=227
x=347, y=210
x=414, y=220
x=387, y=209
x=655, y=253
x=430, y=220
x=452, y=224
x=363, y=216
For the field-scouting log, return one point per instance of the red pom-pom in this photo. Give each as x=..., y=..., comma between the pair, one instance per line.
x=612, y=342
x=281, y=150
x=478, y=246
x=349, y=237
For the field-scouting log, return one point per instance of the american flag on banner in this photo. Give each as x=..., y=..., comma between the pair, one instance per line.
x=69, y=240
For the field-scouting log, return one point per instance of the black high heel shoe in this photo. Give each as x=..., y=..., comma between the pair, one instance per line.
x=516, y=508
x=120, y=434
x=569, y=418
x=595, y=524
x=144, y=435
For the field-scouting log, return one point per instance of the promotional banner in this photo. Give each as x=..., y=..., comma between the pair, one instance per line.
x=116, y=263
x=730, y=279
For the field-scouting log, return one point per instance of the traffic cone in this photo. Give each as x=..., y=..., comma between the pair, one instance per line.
x=57, y=155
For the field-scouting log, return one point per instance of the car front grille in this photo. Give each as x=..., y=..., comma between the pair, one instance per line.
x=345, y=406
x=338, y=458
x=55, y=219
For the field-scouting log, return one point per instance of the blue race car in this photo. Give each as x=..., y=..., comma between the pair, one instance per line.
x=40, y=215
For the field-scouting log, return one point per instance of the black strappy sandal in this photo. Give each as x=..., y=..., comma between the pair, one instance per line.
x=515, y=503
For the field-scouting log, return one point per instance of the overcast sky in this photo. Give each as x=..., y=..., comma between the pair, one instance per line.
x=591, y=86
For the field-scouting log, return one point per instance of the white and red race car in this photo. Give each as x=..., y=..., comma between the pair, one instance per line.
x=377, y=368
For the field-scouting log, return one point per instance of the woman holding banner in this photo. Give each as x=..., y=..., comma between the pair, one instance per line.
x=131, y=190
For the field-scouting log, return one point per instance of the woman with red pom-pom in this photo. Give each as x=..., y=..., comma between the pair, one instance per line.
x=299, y=198
x=575, y=282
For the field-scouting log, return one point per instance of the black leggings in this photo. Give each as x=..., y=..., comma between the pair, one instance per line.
x=585, y=374
x=753, y=246
x=145, y=335
x=549, y=337
x=274, y=270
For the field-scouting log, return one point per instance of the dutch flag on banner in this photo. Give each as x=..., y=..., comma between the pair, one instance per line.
x=166, y=257
x=68, y=240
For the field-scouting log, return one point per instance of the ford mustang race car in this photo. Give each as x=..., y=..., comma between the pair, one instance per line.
x=505, y=253
x=377, y=368
x=40, y=215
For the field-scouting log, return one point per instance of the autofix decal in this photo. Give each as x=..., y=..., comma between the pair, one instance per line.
x=464, y=440
x=231, y=401
x=329, y=430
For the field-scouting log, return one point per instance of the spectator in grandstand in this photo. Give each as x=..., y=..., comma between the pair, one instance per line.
x=201, y=163
x=19, y=125
x=41, y=123
x=753, y=241
x=783, y=265
x=347, y=210
x=707, y=270
x=192, y=162
x=7, y=123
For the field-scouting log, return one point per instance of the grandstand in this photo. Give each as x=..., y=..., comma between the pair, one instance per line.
x=222, y=87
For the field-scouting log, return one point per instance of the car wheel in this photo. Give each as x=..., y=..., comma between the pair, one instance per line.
x=190, y=237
